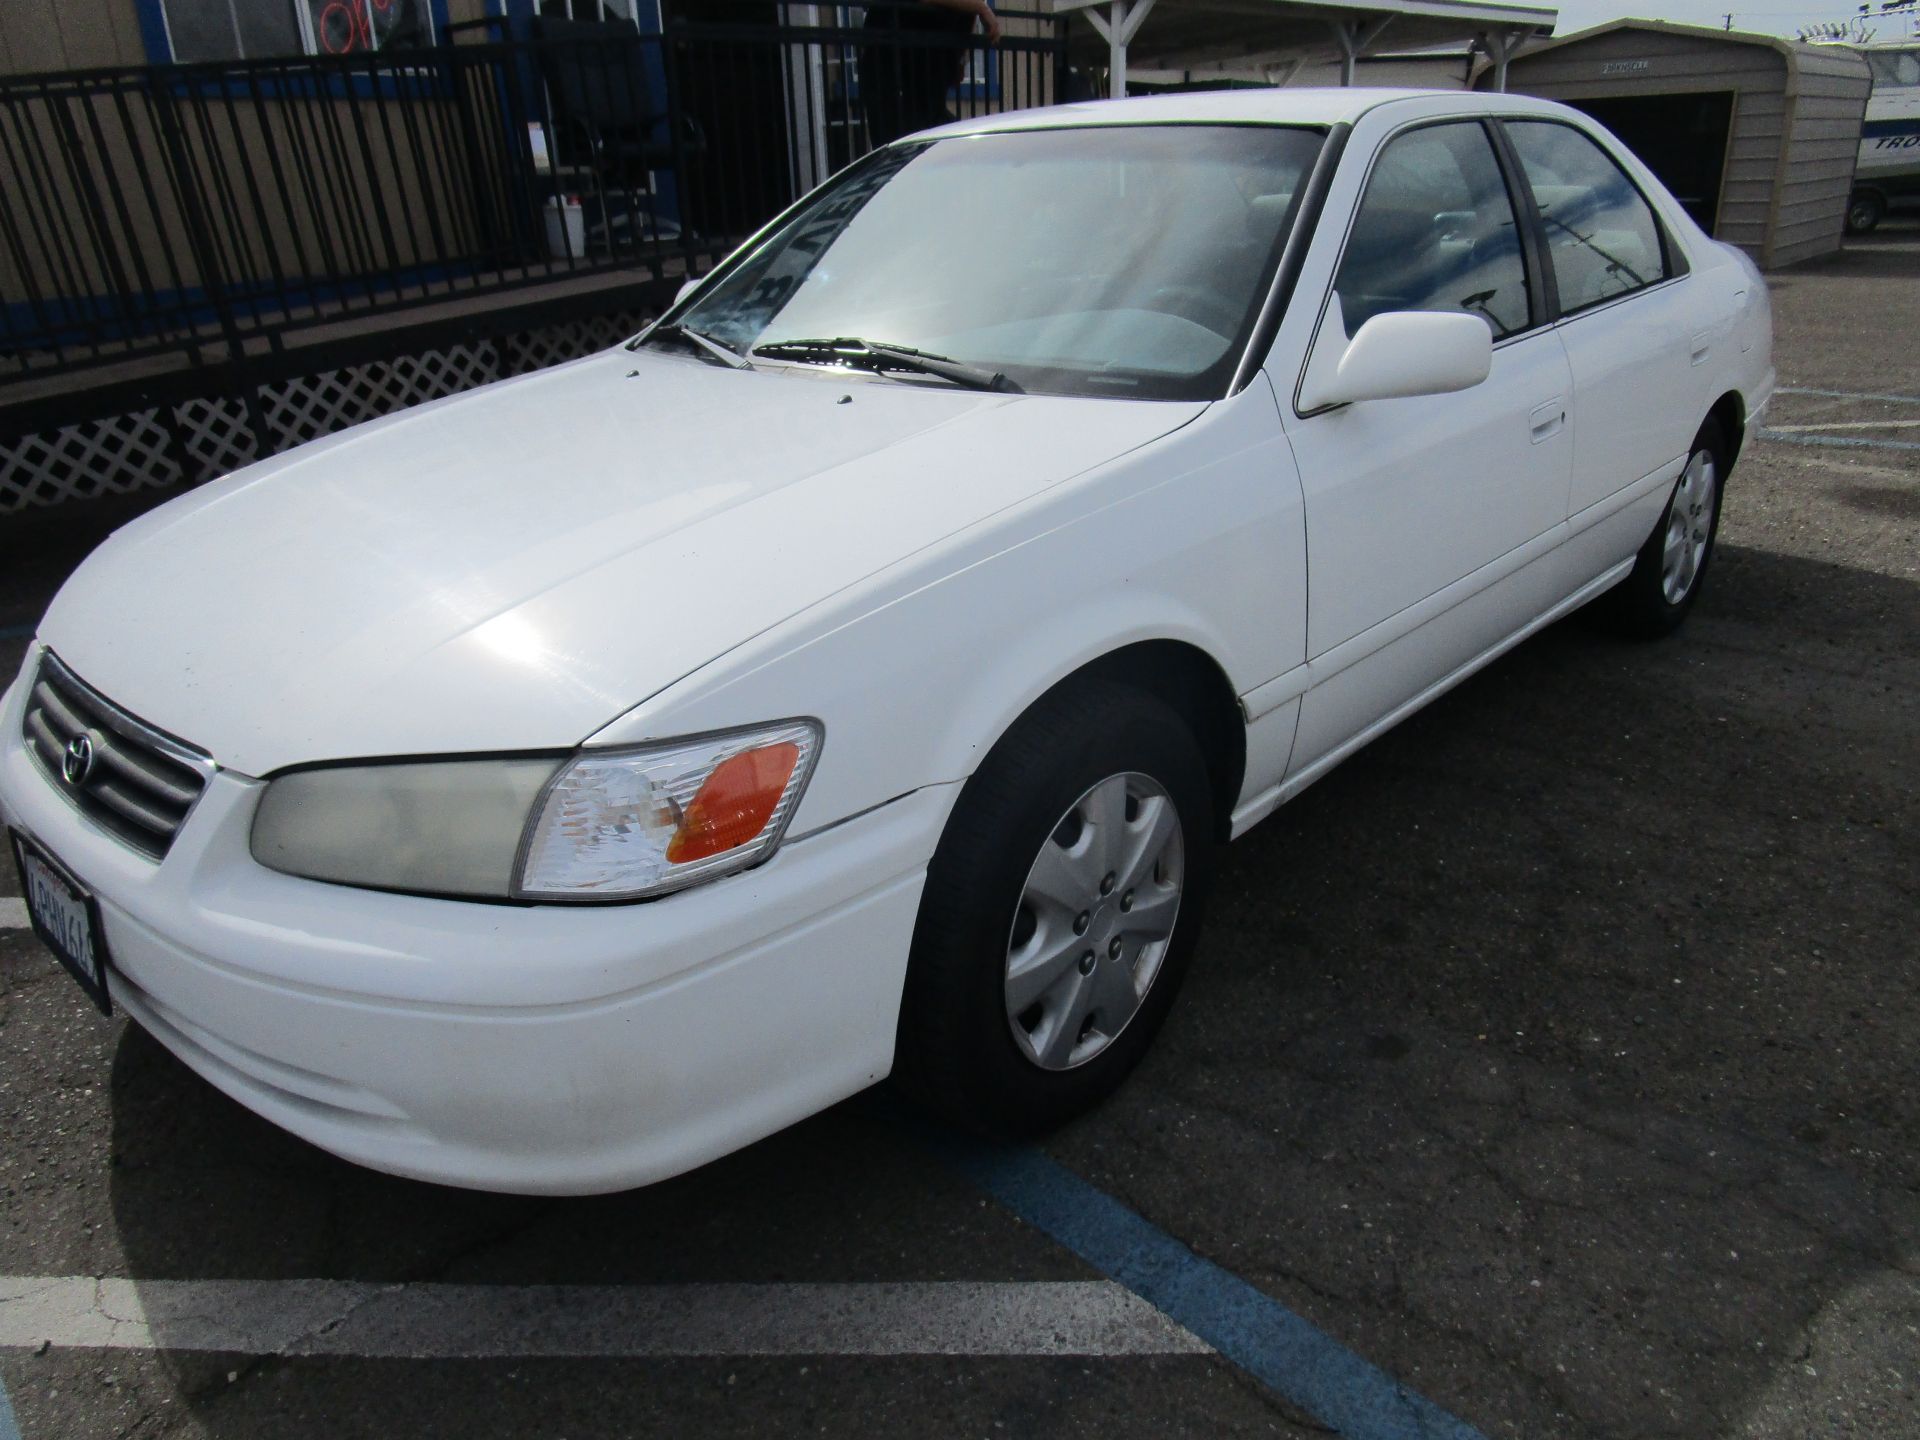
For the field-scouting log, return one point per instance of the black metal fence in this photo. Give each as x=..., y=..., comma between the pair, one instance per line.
x=210, y=209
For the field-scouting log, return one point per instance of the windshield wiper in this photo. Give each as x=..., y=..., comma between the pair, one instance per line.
x=851, y=350
x=733, y=359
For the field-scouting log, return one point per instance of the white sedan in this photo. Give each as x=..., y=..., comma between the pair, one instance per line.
x=561, y=785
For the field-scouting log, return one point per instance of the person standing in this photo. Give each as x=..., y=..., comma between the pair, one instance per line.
x=904, y=77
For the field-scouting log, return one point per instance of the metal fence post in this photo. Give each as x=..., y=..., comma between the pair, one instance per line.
x=193, y=216
x=670, y=42
x=1062, y=71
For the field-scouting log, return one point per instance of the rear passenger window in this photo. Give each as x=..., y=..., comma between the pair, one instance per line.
x=1602, y=233
x=1436, y=231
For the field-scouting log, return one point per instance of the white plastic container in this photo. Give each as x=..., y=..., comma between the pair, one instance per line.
x=566, y=228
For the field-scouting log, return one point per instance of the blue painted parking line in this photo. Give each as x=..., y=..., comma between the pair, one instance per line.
x=1288, y=1354
x=1839, y=442
x=9, y=1427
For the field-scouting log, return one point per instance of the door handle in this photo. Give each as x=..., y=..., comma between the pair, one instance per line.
x=1702, y=343
x=1545, y=420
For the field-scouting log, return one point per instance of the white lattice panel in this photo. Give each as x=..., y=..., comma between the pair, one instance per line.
x=541, y=348
x=301, y=409
x=83, y=462
x=329, y=401
x=219, y=436
x=131, y=452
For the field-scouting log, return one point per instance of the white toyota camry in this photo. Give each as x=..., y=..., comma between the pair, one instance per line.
x=561, y=785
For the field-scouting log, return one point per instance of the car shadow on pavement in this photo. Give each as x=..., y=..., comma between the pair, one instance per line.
x=1554, y=1053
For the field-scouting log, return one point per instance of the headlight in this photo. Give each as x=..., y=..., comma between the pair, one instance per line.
x=603, y=825
x=447, y=827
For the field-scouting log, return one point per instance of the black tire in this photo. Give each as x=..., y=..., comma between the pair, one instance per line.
x=1865, y=211
x=1641, y=606
x=956, y=1048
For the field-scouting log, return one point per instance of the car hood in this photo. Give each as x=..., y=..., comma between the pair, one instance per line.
x=514, y=567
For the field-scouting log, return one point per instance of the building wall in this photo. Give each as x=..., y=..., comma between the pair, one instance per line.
x=74, y=35
x=123, y=192
x=115, y=218
x=1795, y=132
x=1823, y=147
x=1030, y=78
x=1441, y=71
x=1678, y=65
x=96, y=34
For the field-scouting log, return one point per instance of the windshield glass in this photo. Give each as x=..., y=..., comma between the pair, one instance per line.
x=1127, y=260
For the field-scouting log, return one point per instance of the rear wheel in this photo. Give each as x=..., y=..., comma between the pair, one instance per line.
x=1671, y=567
x=1060, y=910
x=1864, y=212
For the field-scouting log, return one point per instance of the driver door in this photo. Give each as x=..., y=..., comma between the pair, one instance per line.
x=1423, y=514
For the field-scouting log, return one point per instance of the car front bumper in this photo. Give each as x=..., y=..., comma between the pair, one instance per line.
x=536, y=1049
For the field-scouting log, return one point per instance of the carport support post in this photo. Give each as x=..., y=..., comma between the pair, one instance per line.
x=1499, y=45
x=1118, y=27
x=1355, y=37
x=1281, y=75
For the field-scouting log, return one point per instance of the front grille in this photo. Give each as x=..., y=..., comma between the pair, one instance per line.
x=135, y=781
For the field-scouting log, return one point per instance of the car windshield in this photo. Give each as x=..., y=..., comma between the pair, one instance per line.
x=1120, y=261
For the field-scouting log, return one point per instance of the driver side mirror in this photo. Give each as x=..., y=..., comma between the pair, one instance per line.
x=1396, y=354
x=688, y=287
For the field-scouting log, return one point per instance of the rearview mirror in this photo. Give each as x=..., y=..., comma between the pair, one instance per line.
x=1396, y=354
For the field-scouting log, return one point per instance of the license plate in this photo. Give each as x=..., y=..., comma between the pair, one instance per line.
x=65, y=917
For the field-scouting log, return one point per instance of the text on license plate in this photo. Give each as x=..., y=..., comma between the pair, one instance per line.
x=57, y=909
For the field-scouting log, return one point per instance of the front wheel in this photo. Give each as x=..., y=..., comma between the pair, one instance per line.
x=1672, y=565
x=1060, y=909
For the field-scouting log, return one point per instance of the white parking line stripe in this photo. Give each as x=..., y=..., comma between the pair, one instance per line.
x=1848, y=394
x=13, y=914
x=1851, y=425
x=422, y=1322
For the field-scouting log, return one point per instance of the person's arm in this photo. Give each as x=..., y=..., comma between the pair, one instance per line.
x=980, y=9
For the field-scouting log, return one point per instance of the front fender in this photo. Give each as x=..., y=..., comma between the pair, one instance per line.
x=1198, y=537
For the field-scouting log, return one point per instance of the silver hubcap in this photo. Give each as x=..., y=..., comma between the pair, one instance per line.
x=1094, y=919
x=1689, y=528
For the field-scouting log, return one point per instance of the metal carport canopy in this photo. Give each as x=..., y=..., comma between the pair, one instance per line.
x=1278, y=36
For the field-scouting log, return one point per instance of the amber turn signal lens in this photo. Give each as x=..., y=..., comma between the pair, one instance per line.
x=735, y=803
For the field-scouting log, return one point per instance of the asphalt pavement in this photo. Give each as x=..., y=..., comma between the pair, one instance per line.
x=1552, y=1063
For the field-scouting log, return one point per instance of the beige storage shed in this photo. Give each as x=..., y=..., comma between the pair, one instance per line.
x=1757, y=136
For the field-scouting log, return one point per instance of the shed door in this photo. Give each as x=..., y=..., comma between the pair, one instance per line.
x=1681, y=138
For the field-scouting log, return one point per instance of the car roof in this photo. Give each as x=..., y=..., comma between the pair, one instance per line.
x=1307, y=105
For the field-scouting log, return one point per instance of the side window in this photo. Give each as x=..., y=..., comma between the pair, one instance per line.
x=216, y=30
x=1895, y=69
x=1600, y=230
x=249, y=29
x=1436, y=231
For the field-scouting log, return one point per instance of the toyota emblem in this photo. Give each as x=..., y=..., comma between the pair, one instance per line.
x=77, y=764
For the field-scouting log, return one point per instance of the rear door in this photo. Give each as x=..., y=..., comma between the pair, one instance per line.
x=1638, y=337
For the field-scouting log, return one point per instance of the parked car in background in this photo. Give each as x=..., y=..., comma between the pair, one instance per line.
x=558, y=786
